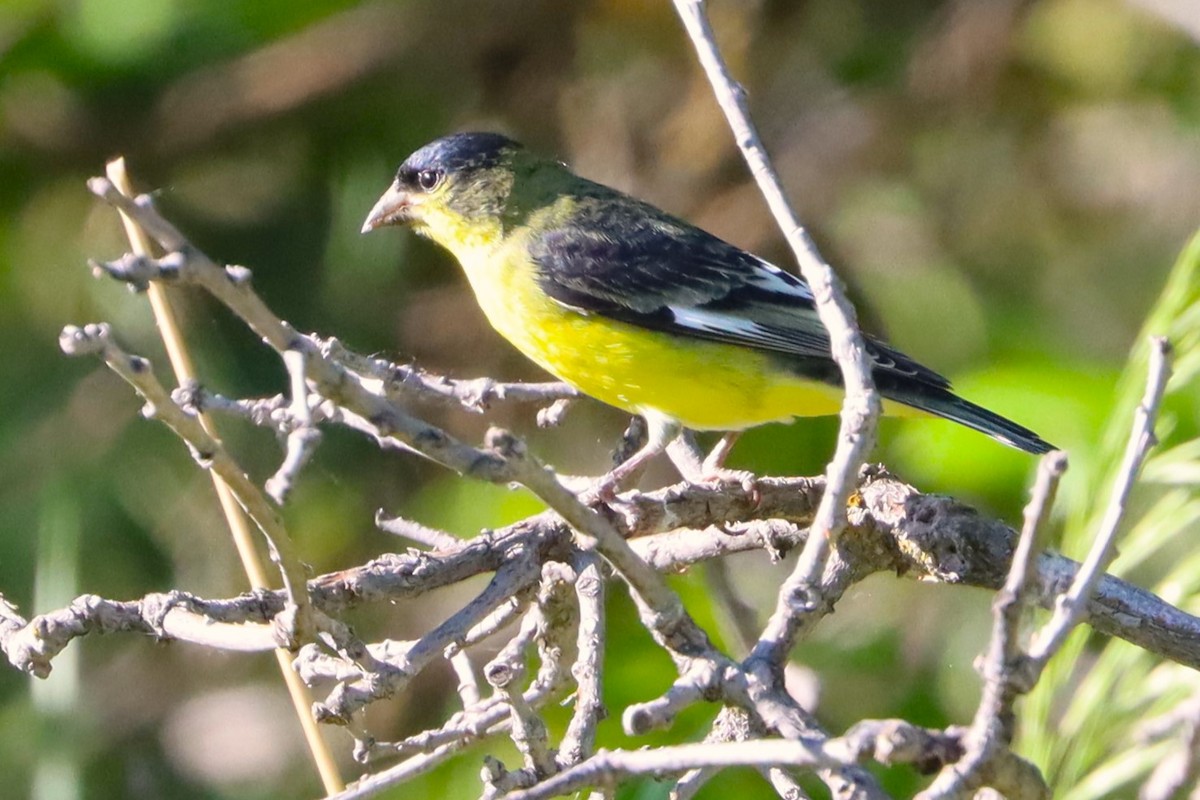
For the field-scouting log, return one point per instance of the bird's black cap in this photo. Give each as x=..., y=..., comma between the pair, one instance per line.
x=460, y=151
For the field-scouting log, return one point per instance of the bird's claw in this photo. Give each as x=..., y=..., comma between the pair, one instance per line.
x=603, y=490
x=744, y=479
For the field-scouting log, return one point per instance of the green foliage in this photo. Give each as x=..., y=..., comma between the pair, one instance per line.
x=1086, y=721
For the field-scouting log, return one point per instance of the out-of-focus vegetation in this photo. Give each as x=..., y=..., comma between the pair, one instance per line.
x=1004, y=186
x=1102, y=737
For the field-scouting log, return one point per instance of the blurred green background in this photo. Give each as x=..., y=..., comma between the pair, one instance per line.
x=1003, y=185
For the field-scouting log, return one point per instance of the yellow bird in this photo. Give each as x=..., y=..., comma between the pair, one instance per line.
x=637, y=308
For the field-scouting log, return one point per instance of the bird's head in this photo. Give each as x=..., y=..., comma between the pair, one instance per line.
x=451, y=184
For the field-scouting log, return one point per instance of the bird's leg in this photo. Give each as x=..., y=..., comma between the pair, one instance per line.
x=715, y=461
x=661, y=431
x=686, y=455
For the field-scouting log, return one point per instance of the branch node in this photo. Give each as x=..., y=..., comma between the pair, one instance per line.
x=238, y=275
x=505, y=444
x=88, y=340
x=552, y=416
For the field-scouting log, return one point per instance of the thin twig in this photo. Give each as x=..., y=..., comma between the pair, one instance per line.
x=303, y=436
x=611, y=766
x=408, y=382
x=1008, y=671
x=239, y=527
x=489, y=715
x=468, y=682
x=97, y=340
x=510, y=661
x=1179, y=772
x=264, y=412
x=415, y=531
x=462, y=729
x=1072, y=608
x=861, y=407
x=730, y=725
x=889, y=741
x=992, y=729
x=588, y=670
x=349, y=697
x=529, y=733
x=371, y=785
x=500, y=618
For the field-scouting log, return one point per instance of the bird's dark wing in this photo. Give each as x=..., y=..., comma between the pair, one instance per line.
x=630, y=262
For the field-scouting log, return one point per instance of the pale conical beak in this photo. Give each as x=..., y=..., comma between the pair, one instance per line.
x=394, y=208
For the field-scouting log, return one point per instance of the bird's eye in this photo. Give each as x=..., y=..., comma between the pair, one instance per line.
x=428, y=179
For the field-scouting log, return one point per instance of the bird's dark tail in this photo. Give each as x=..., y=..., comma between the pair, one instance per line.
x=946, y=404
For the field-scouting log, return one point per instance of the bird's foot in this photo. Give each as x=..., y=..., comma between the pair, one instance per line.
x=604, y=490
x=696, y=467
x=662, y=431
x=744, y=479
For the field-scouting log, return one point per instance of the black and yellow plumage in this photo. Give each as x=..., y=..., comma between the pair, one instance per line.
x=638, y=308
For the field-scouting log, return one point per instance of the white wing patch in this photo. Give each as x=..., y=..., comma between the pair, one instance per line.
x=734, y=328
x=699, y=319
x=773, y=279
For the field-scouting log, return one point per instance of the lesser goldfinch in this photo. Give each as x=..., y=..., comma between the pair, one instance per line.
x=638, y=308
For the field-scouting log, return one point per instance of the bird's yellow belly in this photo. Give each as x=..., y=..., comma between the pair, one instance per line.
x=706, y=386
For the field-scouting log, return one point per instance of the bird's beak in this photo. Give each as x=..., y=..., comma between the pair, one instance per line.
x=394, y=208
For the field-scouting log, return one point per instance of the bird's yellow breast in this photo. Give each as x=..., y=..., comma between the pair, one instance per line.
x=704, y=385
